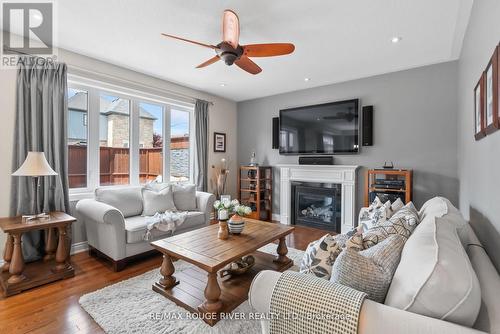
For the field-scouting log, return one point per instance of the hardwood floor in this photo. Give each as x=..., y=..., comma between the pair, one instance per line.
x=54, y=308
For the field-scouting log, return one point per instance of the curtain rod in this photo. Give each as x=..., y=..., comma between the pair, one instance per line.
x=78, y=68
x=114, y=77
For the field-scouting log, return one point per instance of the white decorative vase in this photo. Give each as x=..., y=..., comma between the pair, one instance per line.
x=236, y=224
x=223, y=214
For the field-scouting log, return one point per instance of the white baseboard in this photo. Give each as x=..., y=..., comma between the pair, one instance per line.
x=79, y=247
x=275, y=216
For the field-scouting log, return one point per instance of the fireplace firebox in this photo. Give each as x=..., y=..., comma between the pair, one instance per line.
x=317, y=205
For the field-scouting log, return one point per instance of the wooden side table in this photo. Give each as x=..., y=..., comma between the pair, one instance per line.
x=15, y=276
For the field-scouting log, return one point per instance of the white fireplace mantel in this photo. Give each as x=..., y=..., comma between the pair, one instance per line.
x=339, y=174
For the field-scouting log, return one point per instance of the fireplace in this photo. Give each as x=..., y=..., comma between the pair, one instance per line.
x=316, y=205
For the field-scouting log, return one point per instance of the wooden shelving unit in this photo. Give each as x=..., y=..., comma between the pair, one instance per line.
x=255, y=189
x=399, y=184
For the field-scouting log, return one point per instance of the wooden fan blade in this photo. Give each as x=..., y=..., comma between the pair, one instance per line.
x=209, y=62
x=230, y=28
x=248, y=65
x=190, y=41
x=268, y=50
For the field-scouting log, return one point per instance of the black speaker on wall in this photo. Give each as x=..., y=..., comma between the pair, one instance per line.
x=276, y=132
x=367, y=129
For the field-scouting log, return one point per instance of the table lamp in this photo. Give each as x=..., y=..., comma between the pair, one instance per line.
x=35, y=166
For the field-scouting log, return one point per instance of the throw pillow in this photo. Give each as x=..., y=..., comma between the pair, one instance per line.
x=396, y=206
x=157, y=201
x=376, y=213
x=435, y=277
x=402, y=222
x=185, y=197
x=321, y=254
x=370, y=270
x=156, y=186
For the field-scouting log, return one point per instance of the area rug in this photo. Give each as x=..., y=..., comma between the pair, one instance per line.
x=131, y=306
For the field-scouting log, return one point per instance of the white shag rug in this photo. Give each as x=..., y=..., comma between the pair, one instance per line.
x=130, y=307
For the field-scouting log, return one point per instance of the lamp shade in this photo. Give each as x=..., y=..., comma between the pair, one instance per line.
x=35, y=165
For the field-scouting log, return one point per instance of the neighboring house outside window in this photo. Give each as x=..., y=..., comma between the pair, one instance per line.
x=114, y=135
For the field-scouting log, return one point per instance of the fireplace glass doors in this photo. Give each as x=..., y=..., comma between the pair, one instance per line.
x=317, y=205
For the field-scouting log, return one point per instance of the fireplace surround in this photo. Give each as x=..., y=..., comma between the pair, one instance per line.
x=341, y=175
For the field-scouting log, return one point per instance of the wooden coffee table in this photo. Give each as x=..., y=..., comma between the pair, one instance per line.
x=199, y=289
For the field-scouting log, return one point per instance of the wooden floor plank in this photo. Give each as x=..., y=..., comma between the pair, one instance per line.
x=58, y=301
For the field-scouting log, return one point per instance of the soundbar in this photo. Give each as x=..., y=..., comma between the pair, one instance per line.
x=323, y=160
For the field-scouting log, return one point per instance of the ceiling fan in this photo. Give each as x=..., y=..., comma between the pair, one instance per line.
x=232, y=52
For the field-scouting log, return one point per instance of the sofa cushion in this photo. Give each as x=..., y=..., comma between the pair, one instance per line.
x=321, y=254
x=435, y=277
x=185, y=197
x=376, y=213
x=157, y=201
x=369, y=270
x=136, y=227
x=126, y=199
x=403, y=222
x=442, y=207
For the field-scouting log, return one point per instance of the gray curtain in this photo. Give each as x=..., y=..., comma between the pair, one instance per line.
x=41, y=123
x=201, y=135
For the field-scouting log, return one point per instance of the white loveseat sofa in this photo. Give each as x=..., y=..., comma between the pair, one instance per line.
x=444, y=283
x=115, y=228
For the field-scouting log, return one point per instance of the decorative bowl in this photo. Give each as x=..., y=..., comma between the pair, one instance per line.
x=236, y=224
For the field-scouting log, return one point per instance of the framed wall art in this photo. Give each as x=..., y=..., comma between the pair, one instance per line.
x=491, y=121
x=219, y=142
x=479, y=128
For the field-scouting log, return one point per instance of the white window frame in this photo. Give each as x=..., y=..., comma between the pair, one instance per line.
x=94, y=89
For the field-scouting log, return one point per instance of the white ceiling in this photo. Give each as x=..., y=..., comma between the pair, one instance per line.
x=335, y=40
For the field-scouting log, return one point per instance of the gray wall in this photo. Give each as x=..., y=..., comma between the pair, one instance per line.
x=415, y=125
x=479, y=161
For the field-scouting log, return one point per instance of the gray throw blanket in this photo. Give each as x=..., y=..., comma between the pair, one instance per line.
x=305, y=304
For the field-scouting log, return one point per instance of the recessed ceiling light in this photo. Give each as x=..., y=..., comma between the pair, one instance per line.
x=307, y=79
x=396, y=39
x=223, y=85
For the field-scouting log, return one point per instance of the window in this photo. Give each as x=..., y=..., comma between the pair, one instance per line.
x=150, y=142
x=119, y=136
x=77, y=137
x=179, y=145
x=114, y=131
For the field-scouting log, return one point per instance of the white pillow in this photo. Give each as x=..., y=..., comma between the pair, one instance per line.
x=396, y=205
x=435, y=277
x=185, y=197
x=157, y=201
x=375, y=214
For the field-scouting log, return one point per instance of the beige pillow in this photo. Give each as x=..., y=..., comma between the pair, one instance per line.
x=157, y=201
x=321, y=254
x=435, y=277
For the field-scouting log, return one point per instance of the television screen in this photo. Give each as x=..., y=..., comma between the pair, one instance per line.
x=330, y=128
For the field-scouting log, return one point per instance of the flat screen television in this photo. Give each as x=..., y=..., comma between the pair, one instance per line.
x=329, y=128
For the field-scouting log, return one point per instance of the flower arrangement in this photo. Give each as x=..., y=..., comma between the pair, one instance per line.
x=233, y=206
